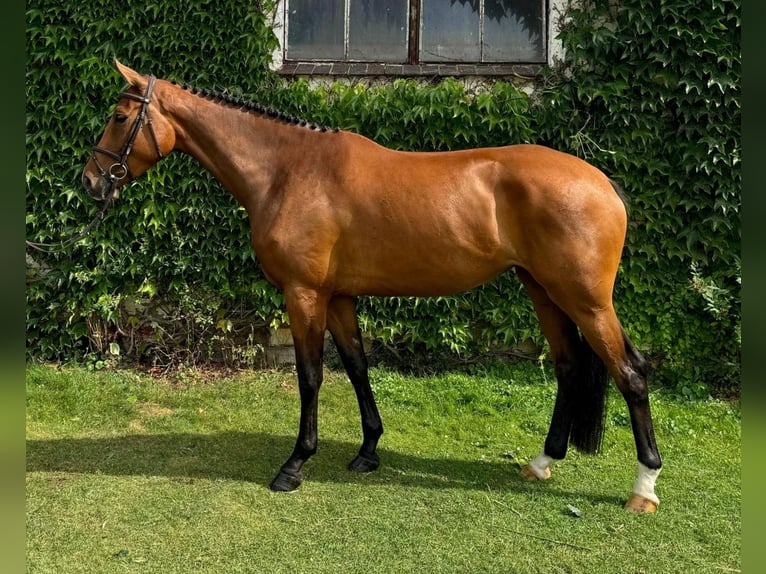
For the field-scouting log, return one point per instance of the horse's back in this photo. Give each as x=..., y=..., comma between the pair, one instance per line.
x=522, y=173
x=507, y=198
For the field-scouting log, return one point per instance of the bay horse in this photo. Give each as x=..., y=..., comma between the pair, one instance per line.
x=334, y=216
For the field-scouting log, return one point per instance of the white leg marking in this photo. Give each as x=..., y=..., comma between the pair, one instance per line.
x=645, y=483
x=540, y=464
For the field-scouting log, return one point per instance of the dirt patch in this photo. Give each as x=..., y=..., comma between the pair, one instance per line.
x=136, y=425
x=153, y=410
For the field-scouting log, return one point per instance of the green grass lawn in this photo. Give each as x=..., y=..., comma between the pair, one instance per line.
x=130, y=474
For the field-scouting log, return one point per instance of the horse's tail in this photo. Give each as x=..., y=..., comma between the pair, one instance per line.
x=589, y=401
x=620, y=192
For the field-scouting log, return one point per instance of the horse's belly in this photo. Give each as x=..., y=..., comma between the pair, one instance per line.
x=421, y=274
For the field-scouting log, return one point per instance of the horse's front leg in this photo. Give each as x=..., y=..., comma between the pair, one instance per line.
x=307, y=311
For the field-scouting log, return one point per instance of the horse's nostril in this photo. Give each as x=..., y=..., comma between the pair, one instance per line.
x=93, y=188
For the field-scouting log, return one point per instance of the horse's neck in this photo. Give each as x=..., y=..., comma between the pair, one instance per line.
x=242, y=150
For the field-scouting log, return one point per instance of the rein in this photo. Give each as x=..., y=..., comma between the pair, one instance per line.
x=116, y=172
x=51, y=247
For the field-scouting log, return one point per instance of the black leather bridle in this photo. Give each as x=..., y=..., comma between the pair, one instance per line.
x=116, y=172
x=119, y=170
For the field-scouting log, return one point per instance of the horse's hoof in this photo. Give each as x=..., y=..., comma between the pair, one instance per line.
x=286, y=482
x=528, y=474
x=637, y=503
x=364, y=464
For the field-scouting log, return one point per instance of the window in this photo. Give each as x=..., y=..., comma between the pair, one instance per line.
x=356, y=30
x=481, y=31
x=423, y=33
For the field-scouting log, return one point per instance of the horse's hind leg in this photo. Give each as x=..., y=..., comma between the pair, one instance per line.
x=579, y=410
x=344, y=327
x=579, y=407
x=602, y=329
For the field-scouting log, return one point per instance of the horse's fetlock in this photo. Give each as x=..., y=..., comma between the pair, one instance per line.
x=308, y=449
x=373, y=432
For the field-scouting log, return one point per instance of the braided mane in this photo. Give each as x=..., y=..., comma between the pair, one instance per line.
x=252, y=107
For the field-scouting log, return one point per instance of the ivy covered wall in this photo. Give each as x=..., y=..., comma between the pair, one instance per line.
x=649, y=92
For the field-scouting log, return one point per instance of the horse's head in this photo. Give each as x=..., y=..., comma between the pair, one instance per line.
x=136, y=137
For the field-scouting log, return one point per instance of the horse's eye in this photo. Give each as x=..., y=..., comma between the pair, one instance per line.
x=120, y=118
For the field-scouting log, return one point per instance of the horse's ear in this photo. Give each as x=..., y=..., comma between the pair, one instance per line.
x=131, y=76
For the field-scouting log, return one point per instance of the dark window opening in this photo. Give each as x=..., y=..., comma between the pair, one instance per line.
x=480, y=33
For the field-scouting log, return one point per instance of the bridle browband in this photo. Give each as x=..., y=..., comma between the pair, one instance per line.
x=119, y=170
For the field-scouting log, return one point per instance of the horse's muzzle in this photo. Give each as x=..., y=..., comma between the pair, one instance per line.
x=96, y=186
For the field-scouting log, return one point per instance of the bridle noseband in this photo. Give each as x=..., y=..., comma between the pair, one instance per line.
x=119, y=170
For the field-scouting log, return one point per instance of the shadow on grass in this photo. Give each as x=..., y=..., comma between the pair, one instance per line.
x=256, y=458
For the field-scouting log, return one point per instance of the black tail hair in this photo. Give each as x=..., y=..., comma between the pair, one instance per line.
x=620, y=193
x=589, y=401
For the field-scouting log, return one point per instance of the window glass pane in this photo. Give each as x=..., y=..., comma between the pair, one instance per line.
x=450, y=31
x=315, y=29
x=378, y=30
x=513, y=31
